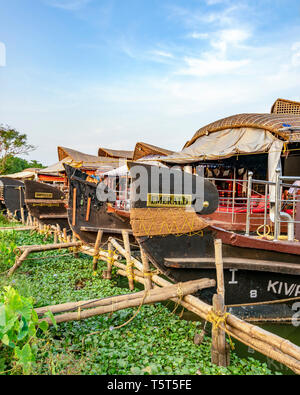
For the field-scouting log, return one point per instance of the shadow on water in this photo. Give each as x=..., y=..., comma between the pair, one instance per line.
x=289, y=332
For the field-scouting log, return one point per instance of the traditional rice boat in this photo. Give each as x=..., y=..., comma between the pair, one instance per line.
x=87, y=213
x=46, y=203
x=12, y=197
x=47, y=200
x=262, y=271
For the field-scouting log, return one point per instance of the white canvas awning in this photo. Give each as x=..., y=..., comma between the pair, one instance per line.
x=230, y=142
x=224, y=144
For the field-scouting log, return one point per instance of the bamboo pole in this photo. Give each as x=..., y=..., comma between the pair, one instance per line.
x=146, y=269
x=87, y=304
x=147, y=297
x=55, y=237
x=219, y=268
x=75, y=249
x=219, y=350
x=65, y=235
x=122, y=251
x=37, y=248
x=202, y=309
x=129, y=262
x=96, y=250
x=110, y=262
x=267, y=343
x=22, y=216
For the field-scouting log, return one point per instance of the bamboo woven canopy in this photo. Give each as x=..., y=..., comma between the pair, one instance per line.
x=111, y=153
x=284, y=106
x=72, y=157
x=144, y=149
x=281, y=125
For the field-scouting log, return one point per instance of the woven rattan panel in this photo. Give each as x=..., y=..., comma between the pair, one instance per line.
x=286, y=107
x=164, y=221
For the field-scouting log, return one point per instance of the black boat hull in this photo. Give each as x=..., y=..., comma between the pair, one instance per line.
x=87, y=215
x=13, y=197
x=246, y=291
x=262, y=277
x=46, y=203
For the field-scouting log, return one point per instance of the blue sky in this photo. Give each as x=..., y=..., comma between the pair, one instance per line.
x=91, y=73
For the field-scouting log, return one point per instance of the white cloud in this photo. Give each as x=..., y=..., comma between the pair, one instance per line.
x=211, y=65
x=296, y=54
x=201, y=36
x=162, y=53
x=69, y=5
x=2, y=55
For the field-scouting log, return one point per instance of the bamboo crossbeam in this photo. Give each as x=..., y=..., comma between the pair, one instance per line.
x=26, y=250
x=18, y=228
x=262, y=341
x=87, y=304
x=147, y=297
x=49, y=247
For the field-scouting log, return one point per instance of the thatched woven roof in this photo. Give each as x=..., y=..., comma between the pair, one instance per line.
x=284, y=106
x=111, y=153
x=85, y=161
x=144, y=149
x=277, y=124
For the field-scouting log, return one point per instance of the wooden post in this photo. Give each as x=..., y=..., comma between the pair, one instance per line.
x=55, y=236
x=22, y=216
x=110, y=261
x=65, y=235
x=218, y=347
x=146, y=270
x=75, y=249
x=59, y=233
x=219, y=268
x=96, y=249
x=74, y=207
x=128, y=259
x=87, y=218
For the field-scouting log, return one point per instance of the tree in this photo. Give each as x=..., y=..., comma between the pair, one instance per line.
x=12, y=143
x=16, y=165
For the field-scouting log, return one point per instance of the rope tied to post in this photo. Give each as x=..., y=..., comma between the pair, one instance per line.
x=219, y=322
x=129, y=270
x=179, y=297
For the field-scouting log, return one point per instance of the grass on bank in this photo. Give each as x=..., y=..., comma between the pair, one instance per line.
x=155, y=342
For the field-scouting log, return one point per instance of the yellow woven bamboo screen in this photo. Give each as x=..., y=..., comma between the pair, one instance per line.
x=165, y=221
x=282, y=106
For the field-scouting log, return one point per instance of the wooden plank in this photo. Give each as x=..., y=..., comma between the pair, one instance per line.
x=88, y=210
x=53, y=216
x=46, y=201
x=95, y=229
x=234, y=263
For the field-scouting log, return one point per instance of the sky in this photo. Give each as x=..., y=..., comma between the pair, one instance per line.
x=86, y=74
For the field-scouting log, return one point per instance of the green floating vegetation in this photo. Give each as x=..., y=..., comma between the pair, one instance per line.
x=155, y=342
